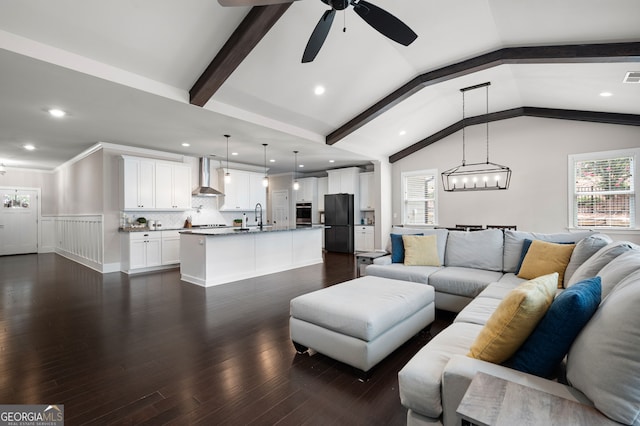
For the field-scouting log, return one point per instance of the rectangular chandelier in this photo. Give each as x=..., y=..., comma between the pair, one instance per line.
x=476, y=177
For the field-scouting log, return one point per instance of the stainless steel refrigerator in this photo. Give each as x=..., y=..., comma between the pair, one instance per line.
x=338, y=219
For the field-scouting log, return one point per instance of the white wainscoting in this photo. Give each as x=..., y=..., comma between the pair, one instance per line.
x=80, y=238
x=47, y=243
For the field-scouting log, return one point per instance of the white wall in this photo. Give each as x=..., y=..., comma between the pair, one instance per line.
x=536, y=149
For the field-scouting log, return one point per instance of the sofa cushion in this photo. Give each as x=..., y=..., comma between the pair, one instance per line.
x=604, y=361
x=595, y=263
x=397, y=248
x=397, y=271
x=478, y=249
x=514, y=319
x=513, y=241
x=585, y=248
x=441, y=233
x=420, y=250
x=466, y=282
x=544, y=258
x=511, y=279
x=420, y=379
x=550, y=341
x=618, y=269
x=478, y=311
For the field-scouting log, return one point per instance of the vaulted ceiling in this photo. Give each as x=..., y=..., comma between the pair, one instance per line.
x=159, y=73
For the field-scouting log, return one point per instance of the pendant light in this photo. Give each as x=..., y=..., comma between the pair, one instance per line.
x=296, y=184
x=265, y=179
x=476, y=176
x=227, y=175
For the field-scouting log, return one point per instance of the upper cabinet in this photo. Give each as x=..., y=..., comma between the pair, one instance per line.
x=367, y=192
x=155, y=184
x=139, y=180
x=244, y=191
x=308, y=192
x=344, y=181
x=173, y=186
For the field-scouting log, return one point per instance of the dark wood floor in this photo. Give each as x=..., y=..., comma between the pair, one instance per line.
x=150, y=349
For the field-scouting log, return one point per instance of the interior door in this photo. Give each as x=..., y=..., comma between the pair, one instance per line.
x=18, y=221
x=280, y=207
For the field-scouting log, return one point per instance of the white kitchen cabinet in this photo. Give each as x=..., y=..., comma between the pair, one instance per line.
x=344, y=181
x=155, y=184
x=308, y=192
x=364, y=238
x=323, y=186
x=173, y=186
x=367, y=193
x=144, y=250
x=244, y=191
x=138, y=179
x=170, y=247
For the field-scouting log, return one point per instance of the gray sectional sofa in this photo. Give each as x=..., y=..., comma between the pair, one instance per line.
x=602, y=368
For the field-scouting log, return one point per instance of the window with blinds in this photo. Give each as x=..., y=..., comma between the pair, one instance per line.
x=420, y=190
x=604, y=190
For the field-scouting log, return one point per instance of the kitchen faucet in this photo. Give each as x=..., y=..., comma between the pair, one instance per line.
x=255, y=211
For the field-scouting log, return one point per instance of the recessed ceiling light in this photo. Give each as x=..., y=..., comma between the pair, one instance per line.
x=332, y=161
x=301, y=165
x=186, y=144
x=234, y=153
x=402, y=132
x=58, y=113
x=606, y=94
x=272, y=161
x=29, y=147
x=319, y=90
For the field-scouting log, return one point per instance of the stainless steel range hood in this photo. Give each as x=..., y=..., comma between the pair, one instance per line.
x=205, y=189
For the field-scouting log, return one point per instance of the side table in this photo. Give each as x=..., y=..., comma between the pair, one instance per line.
x=491, y=401
x=364, y=259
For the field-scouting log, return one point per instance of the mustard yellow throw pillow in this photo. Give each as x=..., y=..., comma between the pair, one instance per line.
x=420, y=250
x=544, y=258
x=514, y=319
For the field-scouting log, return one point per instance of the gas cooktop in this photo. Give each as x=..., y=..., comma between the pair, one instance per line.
x=210, y=225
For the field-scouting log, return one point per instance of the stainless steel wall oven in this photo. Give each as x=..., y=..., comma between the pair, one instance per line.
x=303, y=214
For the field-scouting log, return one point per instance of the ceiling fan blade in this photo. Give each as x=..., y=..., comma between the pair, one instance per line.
x=318, y=36
x=385, y=23
x=227, y=3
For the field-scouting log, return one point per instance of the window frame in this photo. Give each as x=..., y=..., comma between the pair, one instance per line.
x=425, y=172
x=604, y=155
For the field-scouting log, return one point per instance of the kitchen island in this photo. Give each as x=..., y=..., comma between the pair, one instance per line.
x=211, y=257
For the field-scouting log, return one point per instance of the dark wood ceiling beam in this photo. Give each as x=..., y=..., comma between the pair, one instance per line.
x=251, y=30
x=563, y=114
x=583, y=53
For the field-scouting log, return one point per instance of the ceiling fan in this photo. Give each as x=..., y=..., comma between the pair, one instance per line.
x=381, y=20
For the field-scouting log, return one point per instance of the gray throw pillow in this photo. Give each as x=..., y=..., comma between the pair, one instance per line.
x=599, y=260
x=604, y=361
x=585, y=248
x=618, y=269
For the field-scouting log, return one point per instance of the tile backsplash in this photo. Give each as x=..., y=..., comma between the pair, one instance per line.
x=204, y=211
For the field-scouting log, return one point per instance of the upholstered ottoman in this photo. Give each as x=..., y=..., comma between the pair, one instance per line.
x=360, y=322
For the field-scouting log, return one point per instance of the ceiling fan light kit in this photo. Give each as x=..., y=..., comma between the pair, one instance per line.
x=378, y=18
x=485, y=176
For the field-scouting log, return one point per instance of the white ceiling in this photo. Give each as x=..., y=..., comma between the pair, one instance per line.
x=123, y=69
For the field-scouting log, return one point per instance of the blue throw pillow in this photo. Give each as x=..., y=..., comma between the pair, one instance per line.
x=525, y=248
x=550, y=341
x=397, y=248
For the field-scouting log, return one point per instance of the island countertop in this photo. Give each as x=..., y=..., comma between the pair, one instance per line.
x=250, y=230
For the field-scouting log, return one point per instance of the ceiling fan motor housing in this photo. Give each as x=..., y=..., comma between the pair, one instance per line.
x=337, y=4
